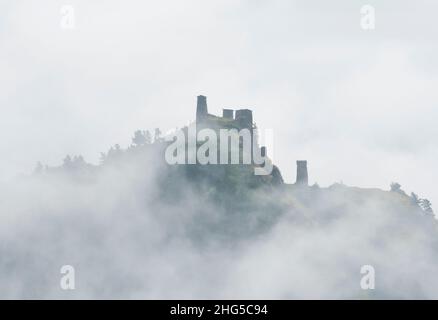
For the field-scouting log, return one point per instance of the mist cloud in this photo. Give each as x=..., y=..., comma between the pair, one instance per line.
x=359, y=106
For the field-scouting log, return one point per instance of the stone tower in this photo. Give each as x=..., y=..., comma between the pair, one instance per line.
x=244, y=118
x=201, y=109
x=302, y=176
x=228, y=114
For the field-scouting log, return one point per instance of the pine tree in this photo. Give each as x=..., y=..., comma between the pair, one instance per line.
x=148, y=137
x=67, y=163
x=415, y=200
x=426, y=205
x=139, y=138
x=157, y=135
x=396, y=187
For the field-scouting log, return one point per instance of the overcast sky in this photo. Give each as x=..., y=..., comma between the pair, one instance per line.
x=359, y=105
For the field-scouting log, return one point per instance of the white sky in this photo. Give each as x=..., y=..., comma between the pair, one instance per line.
x=360, y=106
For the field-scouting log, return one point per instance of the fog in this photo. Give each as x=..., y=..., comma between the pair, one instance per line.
x=359, y=105
x=132, y=231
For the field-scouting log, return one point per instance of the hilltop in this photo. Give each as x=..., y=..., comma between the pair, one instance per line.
x=247, y=202
x=135, y=226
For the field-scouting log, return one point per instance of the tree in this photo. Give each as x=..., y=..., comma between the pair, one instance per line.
x=67, y=162
x=114, y=152
x=148, y=137
x=79, y=159
x=79, y=162
x=415, y=200
x=139, y=138
x=157, y=135
x=396, y=187
x=426, y=205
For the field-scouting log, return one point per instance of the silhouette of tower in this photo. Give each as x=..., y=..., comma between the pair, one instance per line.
x=244, y=118
x=228, y=113
x=201, y=109
x=302, y=176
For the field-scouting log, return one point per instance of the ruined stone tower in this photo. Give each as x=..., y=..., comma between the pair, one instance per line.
x=244, y=118
x=228, y=114
x=201, y=109
x=238, y=119
x=302, y=176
